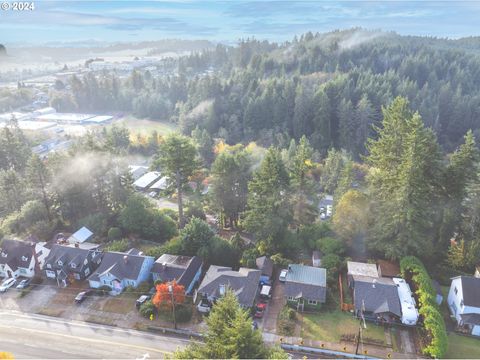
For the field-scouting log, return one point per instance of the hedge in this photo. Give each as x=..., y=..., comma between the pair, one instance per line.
x=432, y=318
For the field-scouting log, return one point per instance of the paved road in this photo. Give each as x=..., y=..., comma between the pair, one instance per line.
x=34, y=336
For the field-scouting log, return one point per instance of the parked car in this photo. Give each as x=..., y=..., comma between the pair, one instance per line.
x=142, y=300
x=204, y=306
x=81, y=296
x=7, y=284
x=266, y=292
x=24, y=284
x=283, y=275
x=260, y=310
x=265, y=282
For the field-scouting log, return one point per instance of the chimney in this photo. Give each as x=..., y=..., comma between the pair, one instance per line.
x=125, y=259
x=77, y=245
x=374, y=283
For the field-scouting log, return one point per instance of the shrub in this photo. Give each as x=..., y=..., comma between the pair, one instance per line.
x=114, y=233
x=147, y=309
x=144, y=287
x=329, y=245
x=96, y=222
x=118, y=245
x=433, y=321
x=103, y=290
x=286, y=321
x=183, y=313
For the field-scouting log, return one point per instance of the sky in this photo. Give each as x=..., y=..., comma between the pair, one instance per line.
x=54, y=22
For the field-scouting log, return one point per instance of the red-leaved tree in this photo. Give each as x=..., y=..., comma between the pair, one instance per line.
x=164, y=298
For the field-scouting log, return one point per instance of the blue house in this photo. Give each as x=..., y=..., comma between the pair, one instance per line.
x=184, y=270
x=119, y=270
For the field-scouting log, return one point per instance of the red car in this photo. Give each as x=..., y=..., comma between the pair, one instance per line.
x=260, y=310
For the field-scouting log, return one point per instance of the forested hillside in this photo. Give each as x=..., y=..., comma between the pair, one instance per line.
x=330, y=87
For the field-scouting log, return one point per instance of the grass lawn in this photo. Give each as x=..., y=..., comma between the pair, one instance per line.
x=145, y=126
x=120, y=304
x=462, y=347
x=330, y=326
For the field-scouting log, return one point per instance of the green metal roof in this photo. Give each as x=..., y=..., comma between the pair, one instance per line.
x=307, y=275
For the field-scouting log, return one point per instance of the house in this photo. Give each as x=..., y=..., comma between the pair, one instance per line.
x=160, y=185
x=66, y=264
x=137, y=171
x=317, y=258
x=185, y=270
x=119, y=270
x=265, y=265
x=464, y=303
x=146, y=180
x=305, y=287
x=17, y=258
x=360, y=269
x=244, y=283
x=388, y=269
x=80, y=236
x=376, y=299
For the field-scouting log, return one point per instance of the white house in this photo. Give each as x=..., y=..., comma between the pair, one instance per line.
x=17, y=258
x=464, y=303
x=119, y=270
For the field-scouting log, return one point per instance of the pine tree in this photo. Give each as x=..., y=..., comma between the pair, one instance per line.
x=403, y=186
x=269, y=214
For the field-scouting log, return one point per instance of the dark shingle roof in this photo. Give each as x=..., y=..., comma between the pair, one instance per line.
x=244, y=283
x=306, y=282
x=119, y=265
x=176, y=267
x=471, y=290
x=69, y=255
x=265, y=264
x=379, y=295
x=470, y=319
x=306, y=291
x=16, y=254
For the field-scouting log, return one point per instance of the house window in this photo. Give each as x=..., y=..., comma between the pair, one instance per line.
x=456, y=290
x=73, y=265
x=60, y=262
x=454, y=308
x=23, y=271
x=87, y=271
x=312, y=302
x=49, y=266
x=291, y=298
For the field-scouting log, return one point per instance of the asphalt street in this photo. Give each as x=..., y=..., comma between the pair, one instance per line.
x=40, y=337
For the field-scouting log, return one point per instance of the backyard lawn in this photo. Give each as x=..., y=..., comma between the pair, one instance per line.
x=330, y=326
x=462, y=347
x=145, y=126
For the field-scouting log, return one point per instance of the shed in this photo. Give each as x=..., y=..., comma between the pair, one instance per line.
x=388, y=269
x=80, y=236
x=317, y=258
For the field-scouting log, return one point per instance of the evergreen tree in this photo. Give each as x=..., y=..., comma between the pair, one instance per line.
x=177, y=158
x=403, y=187
x=38, y=177
x=269, y=214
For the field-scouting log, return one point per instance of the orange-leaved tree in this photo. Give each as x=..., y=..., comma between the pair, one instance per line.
x=163, y=296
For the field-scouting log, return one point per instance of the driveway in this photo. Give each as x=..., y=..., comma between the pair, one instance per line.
x=277, y=302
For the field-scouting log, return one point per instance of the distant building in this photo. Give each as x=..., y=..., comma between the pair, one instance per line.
x=137, y=171
x=80, y=236
x=146, y=180
x=361, y=269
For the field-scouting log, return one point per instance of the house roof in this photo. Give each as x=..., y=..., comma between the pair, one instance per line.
x=147, y=179
x=70, y=255
x=362, y=269
x=388, y=268
x=378, y=295
x=265, y=264
x=306, y=282
x=137, y=171
x=471, y=291
x=470, y=319
x=161, y=184
x=309, y=275
x=244, y=283
x=81, y=235
x=176, y=267
x=16, y=254
x=119, y=265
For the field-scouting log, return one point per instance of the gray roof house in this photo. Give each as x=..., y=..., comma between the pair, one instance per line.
x=185, y=270
x=244, y=283
x=360, y=269
x=66, y=264
x=464, y=303
x=119, y=270
x=376, y=298
x=265, y=265
x=17, y=259
x=305, y=286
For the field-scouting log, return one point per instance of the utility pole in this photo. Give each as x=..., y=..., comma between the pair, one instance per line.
x=170, y=290
x=362, y=319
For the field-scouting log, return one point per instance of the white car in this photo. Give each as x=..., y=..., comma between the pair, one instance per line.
x=204, y=306
x=7, y=284
x=283, y=275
